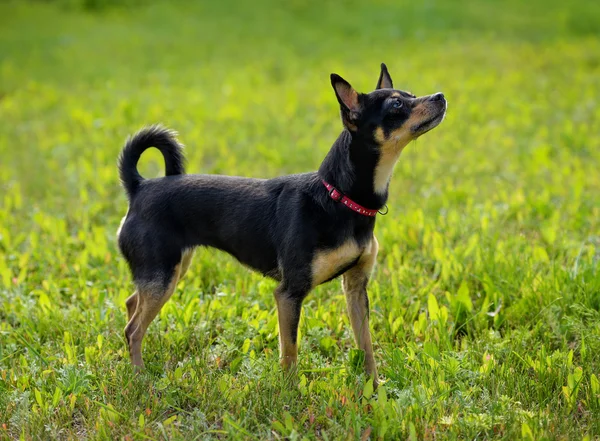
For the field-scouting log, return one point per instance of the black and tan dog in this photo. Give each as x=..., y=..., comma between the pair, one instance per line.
x=301, y=230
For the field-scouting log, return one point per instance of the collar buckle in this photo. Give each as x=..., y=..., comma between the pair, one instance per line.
x=335, y=194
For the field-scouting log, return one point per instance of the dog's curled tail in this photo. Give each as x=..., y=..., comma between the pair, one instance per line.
x=153, y=136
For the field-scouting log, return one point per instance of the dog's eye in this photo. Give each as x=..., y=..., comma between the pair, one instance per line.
x=397, y=104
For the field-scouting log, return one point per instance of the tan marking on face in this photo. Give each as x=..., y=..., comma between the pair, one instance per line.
x=391, y=147
x=352, y=127
x=396, y=95
x=327, y=263
x=419, y=114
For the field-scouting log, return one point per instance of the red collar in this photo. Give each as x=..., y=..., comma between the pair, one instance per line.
x=338, y=196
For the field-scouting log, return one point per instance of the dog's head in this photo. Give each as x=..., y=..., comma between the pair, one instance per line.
x=387, y=117
x=388, y=114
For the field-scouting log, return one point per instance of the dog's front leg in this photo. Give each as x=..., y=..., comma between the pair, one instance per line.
x=354, y=284
x=289, y=306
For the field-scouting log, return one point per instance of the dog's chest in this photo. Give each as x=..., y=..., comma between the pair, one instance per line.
x=329, y=262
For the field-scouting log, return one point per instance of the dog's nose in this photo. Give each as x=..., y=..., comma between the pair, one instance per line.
x=437, y=97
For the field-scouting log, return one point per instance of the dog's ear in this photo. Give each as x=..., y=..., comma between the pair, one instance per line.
x=346, y=95
x=385, y=80
x=348, y=99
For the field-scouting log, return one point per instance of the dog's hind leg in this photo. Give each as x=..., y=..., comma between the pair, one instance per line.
x=186, y=260
x=150, y=299
x=354, y=283
x=131, y=304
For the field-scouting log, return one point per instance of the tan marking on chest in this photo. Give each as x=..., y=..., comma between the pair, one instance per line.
x=326, y=263
x=390, y=149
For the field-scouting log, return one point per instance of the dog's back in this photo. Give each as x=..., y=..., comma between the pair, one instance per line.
x=245, y=217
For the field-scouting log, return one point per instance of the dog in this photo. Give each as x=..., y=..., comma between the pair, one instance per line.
x=301, y=230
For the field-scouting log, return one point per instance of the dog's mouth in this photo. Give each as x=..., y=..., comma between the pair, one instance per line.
x=430, y=123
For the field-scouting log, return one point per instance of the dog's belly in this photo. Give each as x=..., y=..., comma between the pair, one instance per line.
x=261, y=258
x=265, y=266
x=329, y=263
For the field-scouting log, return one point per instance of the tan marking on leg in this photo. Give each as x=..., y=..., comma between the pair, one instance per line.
x=354, y=283
x=327, y=263
x=288, y=315
x=131, y=304
x=186, y=260
x=150, y=301
x=121, y=224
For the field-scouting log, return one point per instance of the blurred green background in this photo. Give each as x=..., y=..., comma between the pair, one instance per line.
x=487, y=295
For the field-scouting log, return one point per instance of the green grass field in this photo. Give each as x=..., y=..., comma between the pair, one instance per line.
x=486, y=298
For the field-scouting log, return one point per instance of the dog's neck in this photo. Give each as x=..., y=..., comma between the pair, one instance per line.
x=350, y=167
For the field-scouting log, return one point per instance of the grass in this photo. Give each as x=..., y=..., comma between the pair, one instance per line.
x=486, y=298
